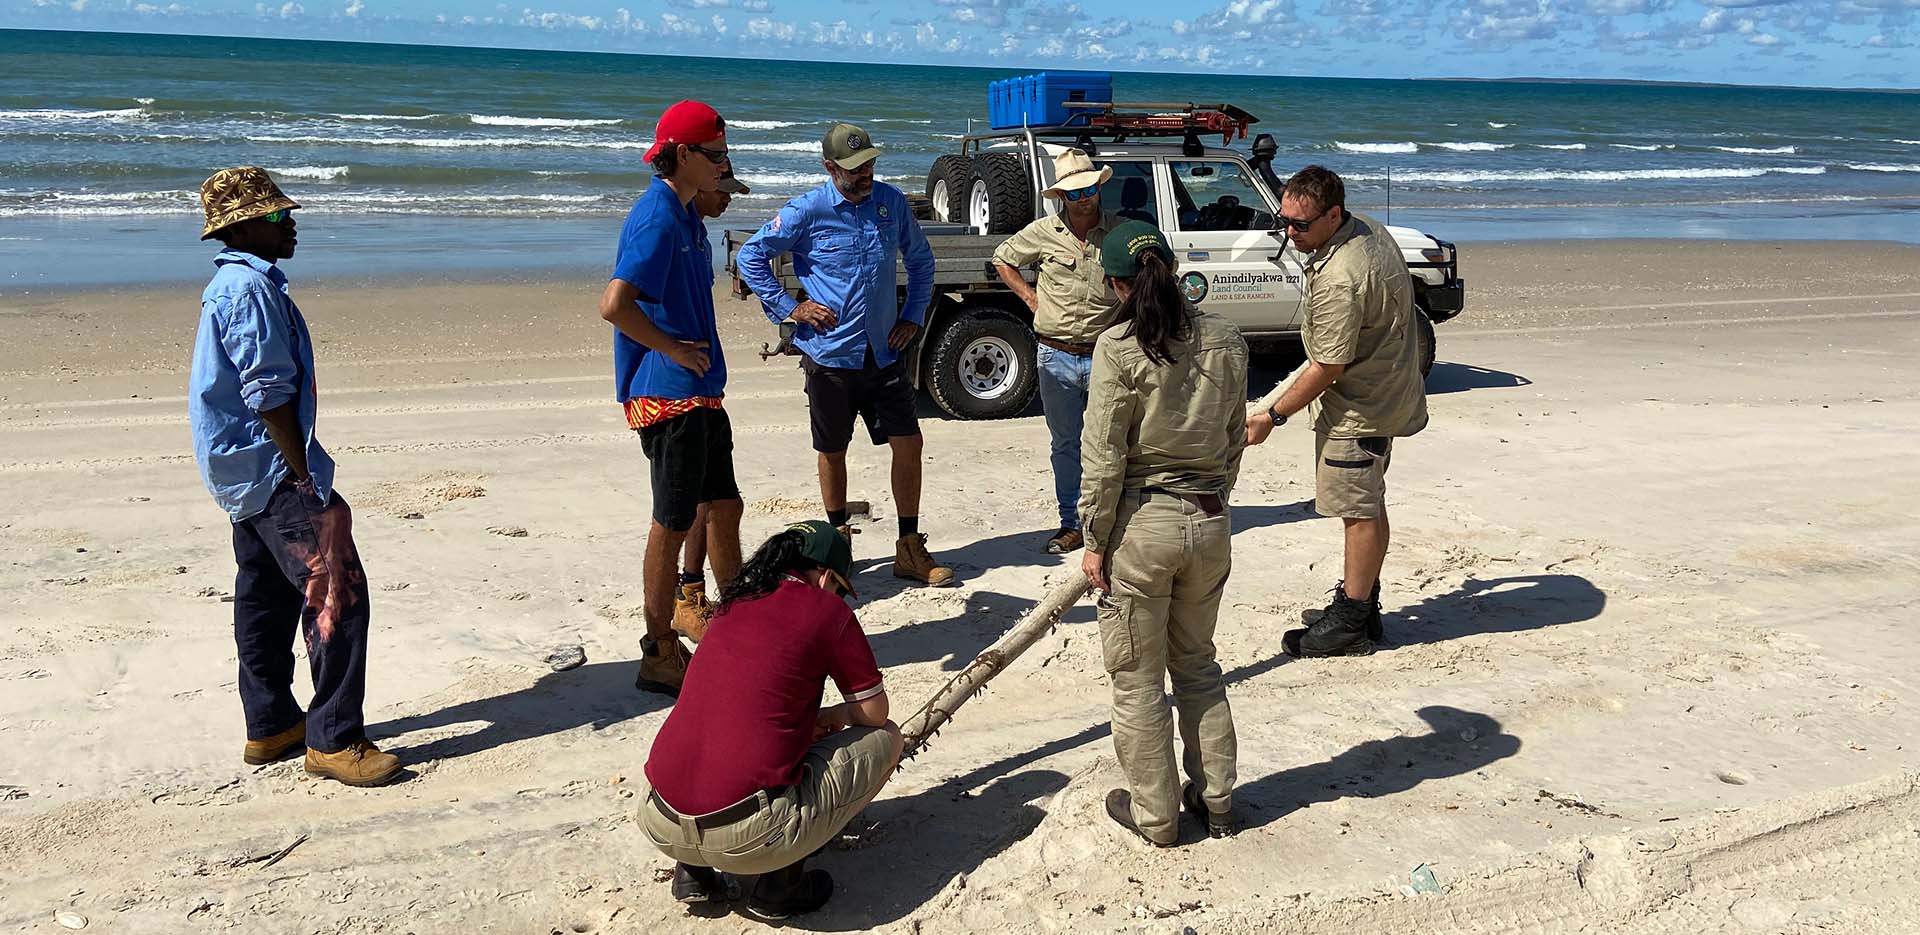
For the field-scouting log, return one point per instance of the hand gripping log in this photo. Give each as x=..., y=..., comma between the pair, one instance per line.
x=935, y=713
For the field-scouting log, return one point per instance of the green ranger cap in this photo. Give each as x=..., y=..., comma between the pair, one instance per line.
x=1120, y=252
x=825, y=545
x=849, y=146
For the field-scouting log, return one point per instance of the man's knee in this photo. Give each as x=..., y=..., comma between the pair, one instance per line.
x=724, y=511
x=907, y=445
x=668, y=536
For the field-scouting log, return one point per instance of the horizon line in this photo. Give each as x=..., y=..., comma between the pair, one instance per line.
x=1509, y=79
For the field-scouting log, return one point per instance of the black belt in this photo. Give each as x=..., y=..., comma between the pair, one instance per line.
x=1077, y=350
x=745, y=808
x=1210, y=502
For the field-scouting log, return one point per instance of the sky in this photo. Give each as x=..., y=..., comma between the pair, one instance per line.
x=1848, y=43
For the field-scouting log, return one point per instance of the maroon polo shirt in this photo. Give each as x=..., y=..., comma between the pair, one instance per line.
x=746, y=712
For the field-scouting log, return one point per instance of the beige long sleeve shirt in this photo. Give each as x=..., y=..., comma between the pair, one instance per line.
x=1179, y=426
x=1075, y=304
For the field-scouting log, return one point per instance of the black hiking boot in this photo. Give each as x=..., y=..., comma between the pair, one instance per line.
x=1376, y=631
x=789, y=891
x=1219, y=824
x=1342, y=630
x=693, y=884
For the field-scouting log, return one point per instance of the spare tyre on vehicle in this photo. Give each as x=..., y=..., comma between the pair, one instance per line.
x=1000, y=194
x=947, y=187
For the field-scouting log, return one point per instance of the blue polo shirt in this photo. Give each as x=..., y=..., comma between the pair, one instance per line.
x=664, y=254
x=845, y=256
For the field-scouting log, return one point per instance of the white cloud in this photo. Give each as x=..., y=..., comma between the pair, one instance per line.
x=148, y=9
x=354, y=7
x=1765, y=40
x=291, y=9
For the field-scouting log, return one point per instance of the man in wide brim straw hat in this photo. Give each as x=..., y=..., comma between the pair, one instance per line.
x=1074, y=170
x=1071, y=305
x=252, y=405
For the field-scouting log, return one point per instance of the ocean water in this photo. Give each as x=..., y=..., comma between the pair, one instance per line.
x=418, y=161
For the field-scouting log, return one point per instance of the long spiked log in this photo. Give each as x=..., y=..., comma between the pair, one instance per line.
x=992, y=661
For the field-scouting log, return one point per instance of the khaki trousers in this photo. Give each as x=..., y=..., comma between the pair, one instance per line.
x=1168, y=569
x=840, y=773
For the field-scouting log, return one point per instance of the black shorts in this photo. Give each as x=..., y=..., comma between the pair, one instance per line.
x=691, y=460
x=883, y=396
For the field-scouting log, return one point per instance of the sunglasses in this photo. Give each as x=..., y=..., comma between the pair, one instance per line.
x=1080, y=193
x=715, y=156
x=277, y=216
x=1301, y=226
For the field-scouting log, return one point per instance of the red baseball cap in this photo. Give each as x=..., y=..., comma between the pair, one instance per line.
x=689, y=122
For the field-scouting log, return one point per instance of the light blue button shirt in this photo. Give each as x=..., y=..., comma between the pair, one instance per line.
x=252, y=354
x=845, y=255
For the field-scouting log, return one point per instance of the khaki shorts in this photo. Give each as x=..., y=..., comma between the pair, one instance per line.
x=1350, y=476
x=838, y=776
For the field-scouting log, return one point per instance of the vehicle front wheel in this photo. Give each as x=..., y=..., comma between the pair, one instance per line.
x=1423, y=330
x=982, y=366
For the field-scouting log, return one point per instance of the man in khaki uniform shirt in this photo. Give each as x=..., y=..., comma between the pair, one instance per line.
x=1071, y=306
x=1161, y=451
x=1363, y=378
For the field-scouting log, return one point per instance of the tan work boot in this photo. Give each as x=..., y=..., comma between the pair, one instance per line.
x=663, y=666
x=268, y=749
x=360, y=764
x=911, y=560
x=691, y=609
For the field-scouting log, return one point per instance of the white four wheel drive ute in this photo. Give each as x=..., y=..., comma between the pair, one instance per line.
x=1217, y=206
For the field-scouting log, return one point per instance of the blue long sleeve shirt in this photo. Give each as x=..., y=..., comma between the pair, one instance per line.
x=845, y=256
x=252, y=354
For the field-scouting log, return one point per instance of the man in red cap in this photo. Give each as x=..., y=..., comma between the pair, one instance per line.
x=670, y=373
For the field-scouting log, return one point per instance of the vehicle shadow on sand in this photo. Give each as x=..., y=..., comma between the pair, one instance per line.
x=1451, y=377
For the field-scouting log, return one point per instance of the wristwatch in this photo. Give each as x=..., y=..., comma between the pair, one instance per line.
x=1273, y=413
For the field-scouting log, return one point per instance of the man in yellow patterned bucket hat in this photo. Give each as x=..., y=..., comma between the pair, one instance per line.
x=251, y=401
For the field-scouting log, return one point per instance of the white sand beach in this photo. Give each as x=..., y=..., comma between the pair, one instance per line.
x=1651, y=600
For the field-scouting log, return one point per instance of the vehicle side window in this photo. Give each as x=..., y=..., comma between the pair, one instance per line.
x=1130, y=192
x=1218, y=195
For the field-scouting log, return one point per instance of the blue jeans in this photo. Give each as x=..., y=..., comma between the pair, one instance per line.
x=1064, y=379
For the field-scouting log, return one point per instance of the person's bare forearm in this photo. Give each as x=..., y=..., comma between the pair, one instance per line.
x=1016, y=282
x=636, y=325
x=283, y=426
x=1312, y=381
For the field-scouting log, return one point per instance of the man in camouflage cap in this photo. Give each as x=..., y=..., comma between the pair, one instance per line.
x=251, y=401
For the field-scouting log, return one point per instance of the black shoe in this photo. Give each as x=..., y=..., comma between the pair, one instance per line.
x=693, y=884
x=1120, y=809
x=788, y=892
x=1219, y=824
x=1341, y=631
x=1376, y=630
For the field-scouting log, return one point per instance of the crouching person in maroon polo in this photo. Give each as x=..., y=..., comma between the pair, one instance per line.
x=750, y=775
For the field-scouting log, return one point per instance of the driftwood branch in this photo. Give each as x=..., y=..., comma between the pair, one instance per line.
x=991, y=661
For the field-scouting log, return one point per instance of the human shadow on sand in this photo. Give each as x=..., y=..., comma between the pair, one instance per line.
x=595, y=695
x=1457, y=742
x=1027, y=549
x=1495, y=605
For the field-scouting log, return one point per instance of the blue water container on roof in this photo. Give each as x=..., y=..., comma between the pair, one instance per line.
x=1050, y=91
x=1040, y=100
x=1007, y=103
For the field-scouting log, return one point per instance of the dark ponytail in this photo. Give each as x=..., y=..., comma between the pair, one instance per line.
x=1155, y=312
x=777, y=558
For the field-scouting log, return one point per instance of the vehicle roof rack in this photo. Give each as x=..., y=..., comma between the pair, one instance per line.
x=1126, y=118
